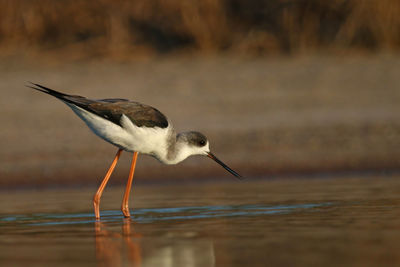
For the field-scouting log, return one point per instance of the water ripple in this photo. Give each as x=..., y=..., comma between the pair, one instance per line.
x=159, y=214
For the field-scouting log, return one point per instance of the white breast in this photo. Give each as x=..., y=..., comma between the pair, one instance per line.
x=147, y=140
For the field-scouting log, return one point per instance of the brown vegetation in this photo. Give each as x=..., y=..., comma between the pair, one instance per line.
x=109, y=28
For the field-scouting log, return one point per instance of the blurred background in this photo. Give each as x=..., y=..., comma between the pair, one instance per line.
x=280, y=87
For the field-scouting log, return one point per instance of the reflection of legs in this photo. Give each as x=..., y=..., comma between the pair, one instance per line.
x=108, y=249
x=133, y=245
x=125, y=204
x=97, y=196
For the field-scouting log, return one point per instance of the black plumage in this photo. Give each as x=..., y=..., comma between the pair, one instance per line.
x=113, y=108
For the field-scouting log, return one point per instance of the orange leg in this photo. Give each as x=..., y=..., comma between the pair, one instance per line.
x=125, y=204
x=97, y=196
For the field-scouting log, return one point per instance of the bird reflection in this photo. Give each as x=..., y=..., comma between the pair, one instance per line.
x=120, y=245
x=111, y=246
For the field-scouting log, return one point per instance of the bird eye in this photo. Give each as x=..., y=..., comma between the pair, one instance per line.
x=202, y=142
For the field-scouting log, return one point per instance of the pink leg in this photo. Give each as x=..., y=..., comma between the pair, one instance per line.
x=125, y=204
x=97, y=196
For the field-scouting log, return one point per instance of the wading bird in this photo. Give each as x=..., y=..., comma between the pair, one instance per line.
x=137, y=128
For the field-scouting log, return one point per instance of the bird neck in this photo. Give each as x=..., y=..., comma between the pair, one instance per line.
x=178, y=149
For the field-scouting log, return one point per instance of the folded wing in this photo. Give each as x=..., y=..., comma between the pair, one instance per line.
x=113, y=108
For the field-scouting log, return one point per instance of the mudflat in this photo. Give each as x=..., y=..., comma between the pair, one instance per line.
x=275, y=115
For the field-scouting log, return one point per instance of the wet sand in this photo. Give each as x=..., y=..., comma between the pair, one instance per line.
x=350, y=221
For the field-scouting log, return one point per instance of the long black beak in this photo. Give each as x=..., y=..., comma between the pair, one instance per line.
x=211, y=156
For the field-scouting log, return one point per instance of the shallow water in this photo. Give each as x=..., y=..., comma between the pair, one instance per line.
x=290, y=222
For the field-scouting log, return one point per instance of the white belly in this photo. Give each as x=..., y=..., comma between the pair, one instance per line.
x=129, y=137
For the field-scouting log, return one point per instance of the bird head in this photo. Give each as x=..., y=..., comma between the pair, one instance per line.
x=197, y=144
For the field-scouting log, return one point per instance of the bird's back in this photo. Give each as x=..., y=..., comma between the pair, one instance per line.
x=113, y=108
x=129, y=125
x=139, y=114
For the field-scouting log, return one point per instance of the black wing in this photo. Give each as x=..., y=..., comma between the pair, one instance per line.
x=139, y=114
x=112, y=109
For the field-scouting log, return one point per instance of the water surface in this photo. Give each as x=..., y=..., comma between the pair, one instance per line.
x=292, y=222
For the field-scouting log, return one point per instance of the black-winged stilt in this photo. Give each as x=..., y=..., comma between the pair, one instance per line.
x=137, y=128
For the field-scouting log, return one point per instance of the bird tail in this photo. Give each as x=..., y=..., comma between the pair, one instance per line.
x=49, y=91
x=72, y=99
